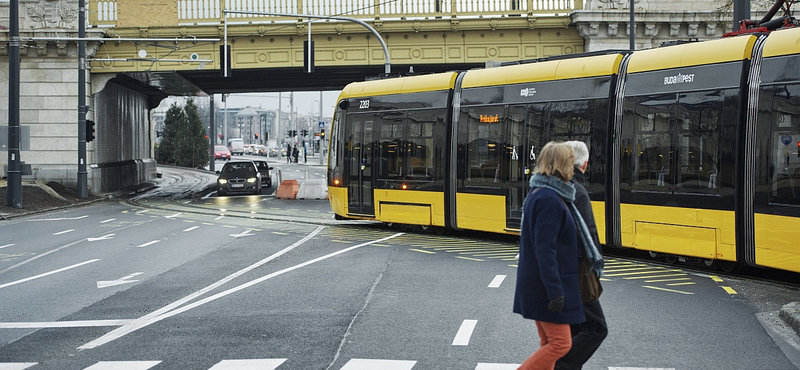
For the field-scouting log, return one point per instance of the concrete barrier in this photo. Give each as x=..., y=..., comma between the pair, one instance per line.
x=313, y=189
x=287, y=190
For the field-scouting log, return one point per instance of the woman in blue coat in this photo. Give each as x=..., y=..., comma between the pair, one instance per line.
x=547, y=277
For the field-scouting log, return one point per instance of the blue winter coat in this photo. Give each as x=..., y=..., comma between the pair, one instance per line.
x=548, y=260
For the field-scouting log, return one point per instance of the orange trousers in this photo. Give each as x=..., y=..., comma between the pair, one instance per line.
x=556, y=340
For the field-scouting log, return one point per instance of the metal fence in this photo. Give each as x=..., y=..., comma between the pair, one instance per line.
x=104, y=12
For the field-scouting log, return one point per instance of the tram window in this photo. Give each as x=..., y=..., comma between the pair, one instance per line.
x=699, y=119
x=574, y=120
x=390, y=148
x=647, y=142
x=784, y=152
x=483, y=152
x=421, y=147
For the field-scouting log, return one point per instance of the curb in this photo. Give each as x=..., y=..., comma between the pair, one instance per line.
x=790, y=313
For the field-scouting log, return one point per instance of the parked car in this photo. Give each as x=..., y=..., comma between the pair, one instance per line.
x=239, y=177
x=222, y=152
x=263, y=169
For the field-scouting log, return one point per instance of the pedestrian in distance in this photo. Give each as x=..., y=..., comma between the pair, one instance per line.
x=547, y=276
x=588, y=336
x=288, y=153
x=295, y=153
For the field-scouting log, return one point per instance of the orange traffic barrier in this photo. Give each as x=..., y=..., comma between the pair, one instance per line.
x=287, y=189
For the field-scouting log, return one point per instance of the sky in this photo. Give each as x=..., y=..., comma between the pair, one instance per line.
x=305, y=102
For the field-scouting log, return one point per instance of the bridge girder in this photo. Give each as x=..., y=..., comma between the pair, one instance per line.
x=269, y=56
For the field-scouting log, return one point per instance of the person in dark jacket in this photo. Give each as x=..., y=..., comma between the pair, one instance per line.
x=588, y=336
x=547, y=276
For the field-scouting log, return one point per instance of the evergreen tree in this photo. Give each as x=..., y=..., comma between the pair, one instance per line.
x=169, y=136
x=192, y=148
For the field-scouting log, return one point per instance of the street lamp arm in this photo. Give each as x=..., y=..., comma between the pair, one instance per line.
x=387, y=63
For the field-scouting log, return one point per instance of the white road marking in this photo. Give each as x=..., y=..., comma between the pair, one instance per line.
x=497, y=281
x=61, y=324
x=16, y=365
x=148, y=243
x=254, y=364
x=48, y=273
x=142, y=211
x=123, y=365
x=109, y=220
x=191, y=228
x=61, y=219
x=173, y=216
x=120, y=281
x=6, y=246
x=64, y=232
x=243, y=233
x=368, y=364
x=219, y=218
x=464, y=333
x=175, y=307
x=104, y=237
x=486, y=366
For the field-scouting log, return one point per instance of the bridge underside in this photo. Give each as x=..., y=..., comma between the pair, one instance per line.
x=269, y=79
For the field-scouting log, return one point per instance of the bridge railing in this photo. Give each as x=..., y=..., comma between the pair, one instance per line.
x=104, y=12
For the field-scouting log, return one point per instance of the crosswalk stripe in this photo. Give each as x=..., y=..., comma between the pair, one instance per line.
x=368, y=364
x=485, y=366
x=16, y=365
x=123, y=365
x=255, y=364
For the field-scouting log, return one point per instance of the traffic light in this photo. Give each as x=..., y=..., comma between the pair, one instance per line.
x=305, y=132
x=220, y=136
x=256, y=136
x=89, y=130
x=322, y=133
x=798, y=149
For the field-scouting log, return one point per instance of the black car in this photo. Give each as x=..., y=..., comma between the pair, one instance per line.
x=239, y=177
x=263, y=169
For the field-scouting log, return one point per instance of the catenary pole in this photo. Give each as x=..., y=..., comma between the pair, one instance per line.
x=83, y=181
x=14, y=191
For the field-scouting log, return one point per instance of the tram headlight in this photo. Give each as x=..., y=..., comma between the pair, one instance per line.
x=404, y=186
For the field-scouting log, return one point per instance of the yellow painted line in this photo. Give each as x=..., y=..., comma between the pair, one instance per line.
x=651, y=271
x=190, y=221
x=471, y=259
x=729, y=290
x=381, y=245
x=230, y=226
x=685, y=283
x=612, y=270
x=513, y=265
x=604, y=279
x=716, y=278
x=663, y=280
x=653, y=276
x=667, y=290
x=279, y=233
x=421, y=251
x=208, y=224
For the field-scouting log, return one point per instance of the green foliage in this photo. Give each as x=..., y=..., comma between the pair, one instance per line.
x=183, y=141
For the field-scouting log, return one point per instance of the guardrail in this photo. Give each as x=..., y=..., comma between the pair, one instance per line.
x=104, y=12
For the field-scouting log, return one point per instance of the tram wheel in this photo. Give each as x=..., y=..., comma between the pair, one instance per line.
x=729, y=266
x=709, y=263
x=652, y=254
x=439, y=230
x=671, y=259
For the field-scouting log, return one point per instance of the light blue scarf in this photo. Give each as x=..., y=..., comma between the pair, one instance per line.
x=567, y=192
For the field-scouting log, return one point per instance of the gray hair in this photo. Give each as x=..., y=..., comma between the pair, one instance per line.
x=581, y=151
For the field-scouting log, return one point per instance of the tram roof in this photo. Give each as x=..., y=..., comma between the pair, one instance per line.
x=692, y=54
x=401, y=85
x=562, y=69
x=783, y=42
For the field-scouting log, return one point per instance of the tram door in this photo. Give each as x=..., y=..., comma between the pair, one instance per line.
x=525, y=128
x=358, y=162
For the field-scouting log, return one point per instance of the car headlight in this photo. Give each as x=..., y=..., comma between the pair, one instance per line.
x=223, y=181
x=251, y=180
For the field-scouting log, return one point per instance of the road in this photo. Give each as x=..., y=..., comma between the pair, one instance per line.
x=255, y=282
